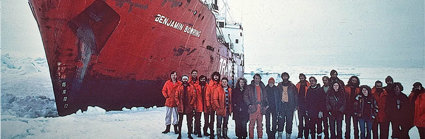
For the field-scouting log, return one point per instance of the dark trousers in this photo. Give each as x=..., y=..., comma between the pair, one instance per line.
x=302, y=121
x=241, y=128
x=285, y=117
x=198, y=122
x=400, y=130
x=209, y=122
x=336, y=119
x=421, y=132
x=188, y=121
x=383, y=130
x=271, y=131
x=315, y=126
x=222, y=121
x=325, y=121
x=348, y=118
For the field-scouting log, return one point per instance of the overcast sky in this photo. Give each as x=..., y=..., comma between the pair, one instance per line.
x=289, y=32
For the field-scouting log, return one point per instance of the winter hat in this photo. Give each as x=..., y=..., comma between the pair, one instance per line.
x=271, y=80
x=185, y=76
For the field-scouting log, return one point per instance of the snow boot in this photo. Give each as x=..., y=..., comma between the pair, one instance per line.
x=279, y=135
x=212, y=133
x=189, y=136
x=167, y=129
x=272, y=135
x=300, y=134
x=225, y=133
x=205, y=132
x=199, y=134
x=319, y=135
x=218, y=133
x=180, y=136
x=176, y=129
x=288, y=136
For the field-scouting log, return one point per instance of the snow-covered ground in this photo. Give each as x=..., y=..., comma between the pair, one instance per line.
x=28, y=108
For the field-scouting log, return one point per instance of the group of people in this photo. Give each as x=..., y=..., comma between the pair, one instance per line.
x=320, y=109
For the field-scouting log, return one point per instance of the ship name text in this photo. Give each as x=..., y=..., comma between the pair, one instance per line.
x=177, y=25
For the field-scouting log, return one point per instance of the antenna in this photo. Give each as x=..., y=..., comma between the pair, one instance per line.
x=227, y=10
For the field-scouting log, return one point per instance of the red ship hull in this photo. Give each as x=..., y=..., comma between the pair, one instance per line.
x=119, y=53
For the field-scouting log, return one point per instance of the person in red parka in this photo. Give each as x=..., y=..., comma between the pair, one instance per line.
x=193, y=80
x=351, y=91
x=169, y=91
x=202, y=96
x=417, y=98
x=381, y=120
x=185, y=100
x=223, y=105
x=210, y=109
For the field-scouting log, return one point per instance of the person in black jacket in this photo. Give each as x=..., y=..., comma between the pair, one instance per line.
x=326, y=86
x=271, y=91
x=315, y=106
x=287, y=95
x=399, y=107
x=334, y=78
x=302, y=87
x=365, y=109
x=335, y=104
x=240, y=109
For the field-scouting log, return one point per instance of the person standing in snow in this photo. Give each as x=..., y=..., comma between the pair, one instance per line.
x=185, y=99
x=271, y=113
x=315, y=106
x=381, y=120
x=325, y=119
x=212, y=85
x=351, y=91
x=335, y=104
x=203, y=97
x=169, y=91
x=240, y=109
x=390, y=85
x=287, y=94
x=365, y=109
x=256, y=98
x=334, y=78
x=417, y=98
x=223, y=104
x=302, y=87
x=399, y=106
x=193, y=80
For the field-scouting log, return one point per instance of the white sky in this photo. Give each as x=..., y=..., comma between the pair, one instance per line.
x=289, y=32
